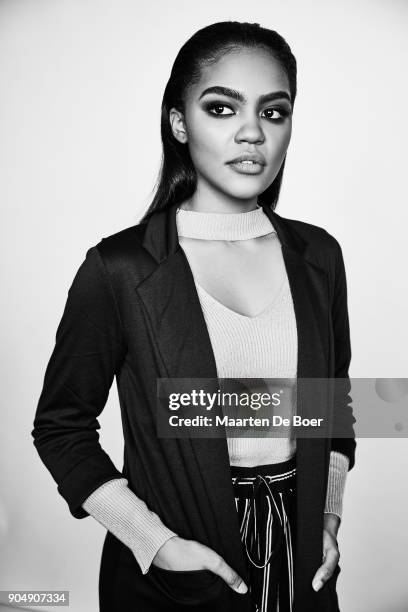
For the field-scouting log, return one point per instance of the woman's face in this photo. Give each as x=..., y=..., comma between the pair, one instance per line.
x=241, y=105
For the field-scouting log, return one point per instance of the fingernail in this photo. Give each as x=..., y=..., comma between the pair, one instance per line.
x=317, y=585
x=242, y=588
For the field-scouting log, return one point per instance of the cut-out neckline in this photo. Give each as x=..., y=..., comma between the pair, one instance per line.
x=263, y=312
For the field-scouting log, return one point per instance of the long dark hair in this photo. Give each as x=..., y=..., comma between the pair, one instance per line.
x=177, y=180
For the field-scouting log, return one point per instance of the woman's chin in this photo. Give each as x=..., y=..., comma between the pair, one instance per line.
x=245, y=186
x=244, y=194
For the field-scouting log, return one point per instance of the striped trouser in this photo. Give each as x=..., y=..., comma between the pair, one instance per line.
x=265, y=498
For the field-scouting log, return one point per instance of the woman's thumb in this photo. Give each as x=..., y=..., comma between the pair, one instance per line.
x=230, y=576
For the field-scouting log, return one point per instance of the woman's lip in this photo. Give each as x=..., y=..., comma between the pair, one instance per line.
x=246, y=168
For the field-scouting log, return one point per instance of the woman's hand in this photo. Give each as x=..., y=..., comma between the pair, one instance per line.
x=331, y=554
x=178, y=554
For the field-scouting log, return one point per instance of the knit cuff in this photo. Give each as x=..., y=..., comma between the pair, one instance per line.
x=338, y=469
x=120, y=511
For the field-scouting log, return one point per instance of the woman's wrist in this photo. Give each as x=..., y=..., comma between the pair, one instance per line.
x=332, y=523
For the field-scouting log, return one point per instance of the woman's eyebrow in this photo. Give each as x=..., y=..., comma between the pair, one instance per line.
x=237, y=95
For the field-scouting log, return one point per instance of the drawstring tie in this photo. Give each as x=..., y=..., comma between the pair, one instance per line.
x=252, y=537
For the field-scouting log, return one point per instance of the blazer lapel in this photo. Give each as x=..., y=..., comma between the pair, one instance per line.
x=179, y=328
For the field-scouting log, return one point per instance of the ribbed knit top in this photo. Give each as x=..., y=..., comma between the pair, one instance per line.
x=263, y=346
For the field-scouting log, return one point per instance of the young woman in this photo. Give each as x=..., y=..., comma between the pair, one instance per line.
x=212, y=284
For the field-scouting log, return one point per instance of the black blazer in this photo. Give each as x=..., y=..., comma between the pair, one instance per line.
x=133, y=312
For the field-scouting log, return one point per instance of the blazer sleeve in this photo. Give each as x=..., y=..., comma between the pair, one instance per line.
x=89, y=349
x=343, y=418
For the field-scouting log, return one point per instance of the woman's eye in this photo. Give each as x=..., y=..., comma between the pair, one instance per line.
x=281, y=113
x=216, y=109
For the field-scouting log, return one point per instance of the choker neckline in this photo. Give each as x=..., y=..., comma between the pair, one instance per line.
x=223, y=226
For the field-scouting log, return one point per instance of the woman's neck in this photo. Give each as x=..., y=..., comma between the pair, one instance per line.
x=208, y=203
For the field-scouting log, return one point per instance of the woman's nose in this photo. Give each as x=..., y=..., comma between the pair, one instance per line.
x=250, y=131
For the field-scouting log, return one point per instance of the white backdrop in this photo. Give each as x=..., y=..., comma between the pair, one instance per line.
x=81, y=87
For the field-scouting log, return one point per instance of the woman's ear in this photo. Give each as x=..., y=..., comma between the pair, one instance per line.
x=178, y=125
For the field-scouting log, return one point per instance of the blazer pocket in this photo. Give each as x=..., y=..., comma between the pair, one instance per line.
x=190, y=587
